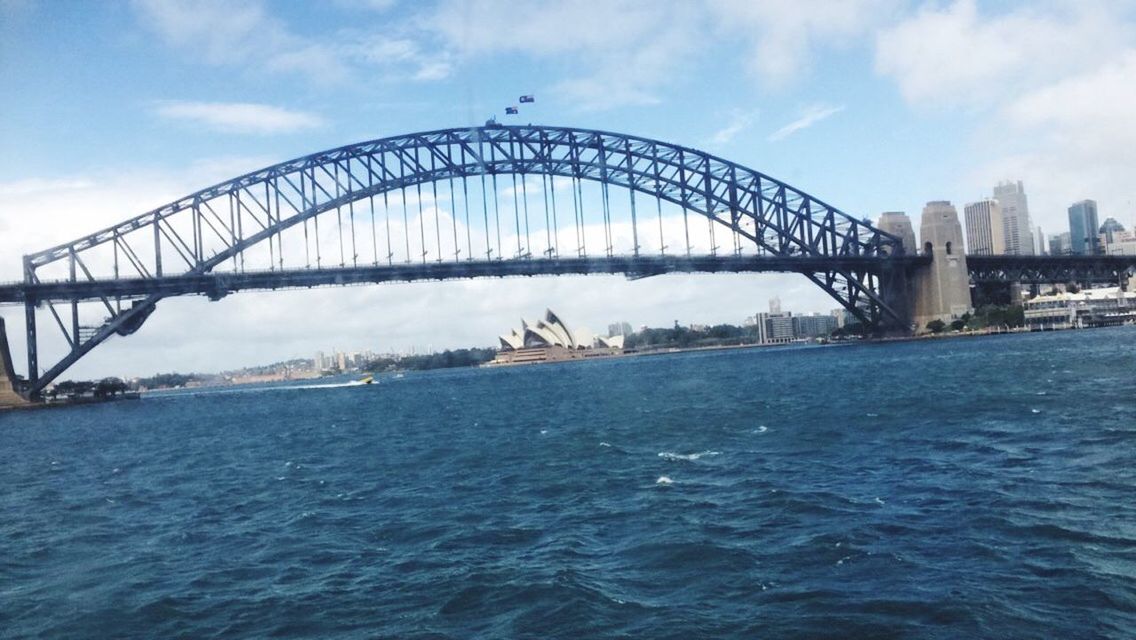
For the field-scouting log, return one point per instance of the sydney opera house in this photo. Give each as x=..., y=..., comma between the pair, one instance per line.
x=550, y=340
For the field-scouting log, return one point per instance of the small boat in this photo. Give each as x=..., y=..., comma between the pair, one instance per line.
x=368, y=380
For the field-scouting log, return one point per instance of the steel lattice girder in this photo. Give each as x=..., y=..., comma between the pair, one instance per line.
x=801, y=224
x=1050, y=269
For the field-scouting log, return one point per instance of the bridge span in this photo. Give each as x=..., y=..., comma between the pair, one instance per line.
x=492, y=201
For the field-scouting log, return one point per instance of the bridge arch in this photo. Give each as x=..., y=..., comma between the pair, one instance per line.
x=197, y=234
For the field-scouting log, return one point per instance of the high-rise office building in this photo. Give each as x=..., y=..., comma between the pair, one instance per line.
x=1016, y=226
x=1039, y=237
x=813, y=326
x=984, y=233
x=1083, y=227
x=1110, y=229
x=1059, y=244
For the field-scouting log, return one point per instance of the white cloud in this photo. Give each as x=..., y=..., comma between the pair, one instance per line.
x=1050, y=88
x=248, y=34
x=401, y=57
x=240, y=117
x=39, y=185
x=224, y=33
x=954, y=55
x=1073, y=139
x=622, y=52
x=780, y=36
x=811, y=116
x=625, y=52
x=738, y=122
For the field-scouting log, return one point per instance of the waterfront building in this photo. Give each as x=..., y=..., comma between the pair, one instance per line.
x=898, y=224
x=813, y=326
x=550, y=340
x=1123, y=244
x=985, y=235
x=1110, y=229
x=1083, y=227
x=1101, y=307
x=773, y=328
x=1016, y=227
x=781, y=327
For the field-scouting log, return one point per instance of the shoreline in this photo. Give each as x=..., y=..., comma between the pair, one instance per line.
x=136, y=395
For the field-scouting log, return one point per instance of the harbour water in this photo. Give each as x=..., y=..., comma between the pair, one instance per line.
x=934, y=489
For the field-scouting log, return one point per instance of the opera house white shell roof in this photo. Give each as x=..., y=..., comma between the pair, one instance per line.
x=552, y=332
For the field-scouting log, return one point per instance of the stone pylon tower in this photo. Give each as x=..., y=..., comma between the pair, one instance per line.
x=896, y=287
x=898, y=224
x=942, y=291
x=8, y=396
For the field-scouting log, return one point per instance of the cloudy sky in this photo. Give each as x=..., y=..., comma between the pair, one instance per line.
x=110, y=109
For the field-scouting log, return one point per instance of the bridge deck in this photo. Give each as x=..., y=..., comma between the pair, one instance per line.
x=1049, y=269
x=217, y=285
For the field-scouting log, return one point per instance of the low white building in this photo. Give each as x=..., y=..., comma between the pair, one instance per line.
x=1086, y=308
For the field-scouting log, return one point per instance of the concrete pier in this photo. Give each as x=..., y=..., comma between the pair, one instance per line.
x=8, y=395
x=942, y=291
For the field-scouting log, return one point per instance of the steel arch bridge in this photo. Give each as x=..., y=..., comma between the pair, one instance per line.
x=262, y=230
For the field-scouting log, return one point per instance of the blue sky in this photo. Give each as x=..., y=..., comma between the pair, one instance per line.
x=112, y=108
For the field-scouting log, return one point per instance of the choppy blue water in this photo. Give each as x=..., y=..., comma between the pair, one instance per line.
x=937, y=489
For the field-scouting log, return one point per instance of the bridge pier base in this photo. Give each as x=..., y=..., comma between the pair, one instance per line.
x=942, y=290
x=8, y=396
x=897, y=292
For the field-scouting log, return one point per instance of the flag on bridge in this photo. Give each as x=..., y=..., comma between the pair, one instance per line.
x=512, y=111
x=527, y=99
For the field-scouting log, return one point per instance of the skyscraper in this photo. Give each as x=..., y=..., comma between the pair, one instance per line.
x=1083, y=227
x=1059, y=244
x=984, y=233
x=1016, y=226
x=1110, y=229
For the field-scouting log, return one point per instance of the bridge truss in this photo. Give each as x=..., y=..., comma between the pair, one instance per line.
x=482, y=201
x=1003, y=269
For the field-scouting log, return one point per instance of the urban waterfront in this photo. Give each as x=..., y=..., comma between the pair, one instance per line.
x=975, y=487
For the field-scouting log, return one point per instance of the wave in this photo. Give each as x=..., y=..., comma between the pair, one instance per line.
x=209, y=391
x=667, y=455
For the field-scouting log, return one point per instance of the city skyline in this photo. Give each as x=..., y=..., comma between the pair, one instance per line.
x=830, y=100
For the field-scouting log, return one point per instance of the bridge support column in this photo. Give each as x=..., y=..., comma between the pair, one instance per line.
x=8, y=395
x=942, y=290
x=895, y=287
x=33, y=355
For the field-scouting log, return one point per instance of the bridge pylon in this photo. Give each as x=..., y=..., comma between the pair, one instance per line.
x=942, y=289
x=8, y=395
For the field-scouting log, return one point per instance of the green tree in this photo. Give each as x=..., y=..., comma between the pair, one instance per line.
x=936, y=326
x=109, y=387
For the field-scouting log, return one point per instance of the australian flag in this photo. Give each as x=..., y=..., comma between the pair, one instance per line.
x=527, y=99
x=512, y=111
